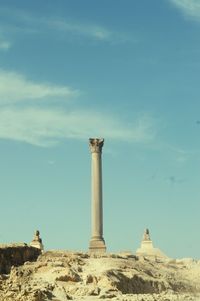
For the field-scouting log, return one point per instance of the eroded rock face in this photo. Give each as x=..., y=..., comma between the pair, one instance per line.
x=61, y=276
x=16, y=255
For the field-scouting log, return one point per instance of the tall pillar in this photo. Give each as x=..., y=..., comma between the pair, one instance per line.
x=97, y=243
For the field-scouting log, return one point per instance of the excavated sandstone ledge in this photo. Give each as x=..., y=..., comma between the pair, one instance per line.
x=16, y=255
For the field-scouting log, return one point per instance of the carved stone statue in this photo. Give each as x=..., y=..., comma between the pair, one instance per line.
x=147, y=248
x=146, y=235
x=37, y=241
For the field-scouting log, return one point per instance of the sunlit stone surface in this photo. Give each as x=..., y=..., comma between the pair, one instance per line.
x=37, y=241
x=147, y=248
x=97, y=243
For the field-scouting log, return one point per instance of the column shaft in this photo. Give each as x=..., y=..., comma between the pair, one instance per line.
x=97, y=206
x=97, y=243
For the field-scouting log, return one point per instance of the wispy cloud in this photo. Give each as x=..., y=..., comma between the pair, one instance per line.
x=190, y=8
x=15, y=87
x=86, y=30
x=22, y=118
x=180, y=155
x=4, y=45
x=46, y=127
x=90, y=31
x=51, y=162
x=25, y=22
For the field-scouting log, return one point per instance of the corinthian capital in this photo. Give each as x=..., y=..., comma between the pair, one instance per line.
x=96, y=145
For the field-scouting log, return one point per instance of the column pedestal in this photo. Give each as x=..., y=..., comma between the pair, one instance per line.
x=97, y=245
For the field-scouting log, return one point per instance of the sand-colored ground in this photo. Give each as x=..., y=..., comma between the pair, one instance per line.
x=60, y=276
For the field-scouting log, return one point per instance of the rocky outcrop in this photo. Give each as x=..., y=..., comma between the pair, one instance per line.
x=16, y=255
x=62, y=276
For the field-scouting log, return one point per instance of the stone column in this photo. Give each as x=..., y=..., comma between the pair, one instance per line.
x=97, y=243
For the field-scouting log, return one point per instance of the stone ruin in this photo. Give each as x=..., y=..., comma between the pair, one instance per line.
x=37, y=241
x=147, y=248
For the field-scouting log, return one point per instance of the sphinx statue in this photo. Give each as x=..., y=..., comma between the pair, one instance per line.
x=37, y=241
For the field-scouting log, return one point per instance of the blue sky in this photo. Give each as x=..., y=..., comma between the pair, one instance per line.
x=127, y=71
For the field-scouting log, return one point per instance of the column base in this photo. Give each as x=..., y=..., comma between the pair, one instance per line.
x=97, y=245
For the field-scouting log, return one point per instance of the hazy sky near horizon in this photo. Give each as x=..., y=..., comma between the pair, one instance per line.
x=128, y=71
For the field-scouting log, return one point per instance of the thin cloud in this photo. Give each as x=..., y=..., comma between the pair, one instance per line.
x=28, y=23
x=47, y=127
x=4, y=45
x=91, y=31
x=190, y=8
x=15, y=87
x=51, y=162
x=181, y=155
x=87, y=30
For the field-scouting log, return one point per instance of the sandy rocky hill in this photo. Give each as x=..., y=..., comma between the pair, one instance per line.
x=62, y=275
